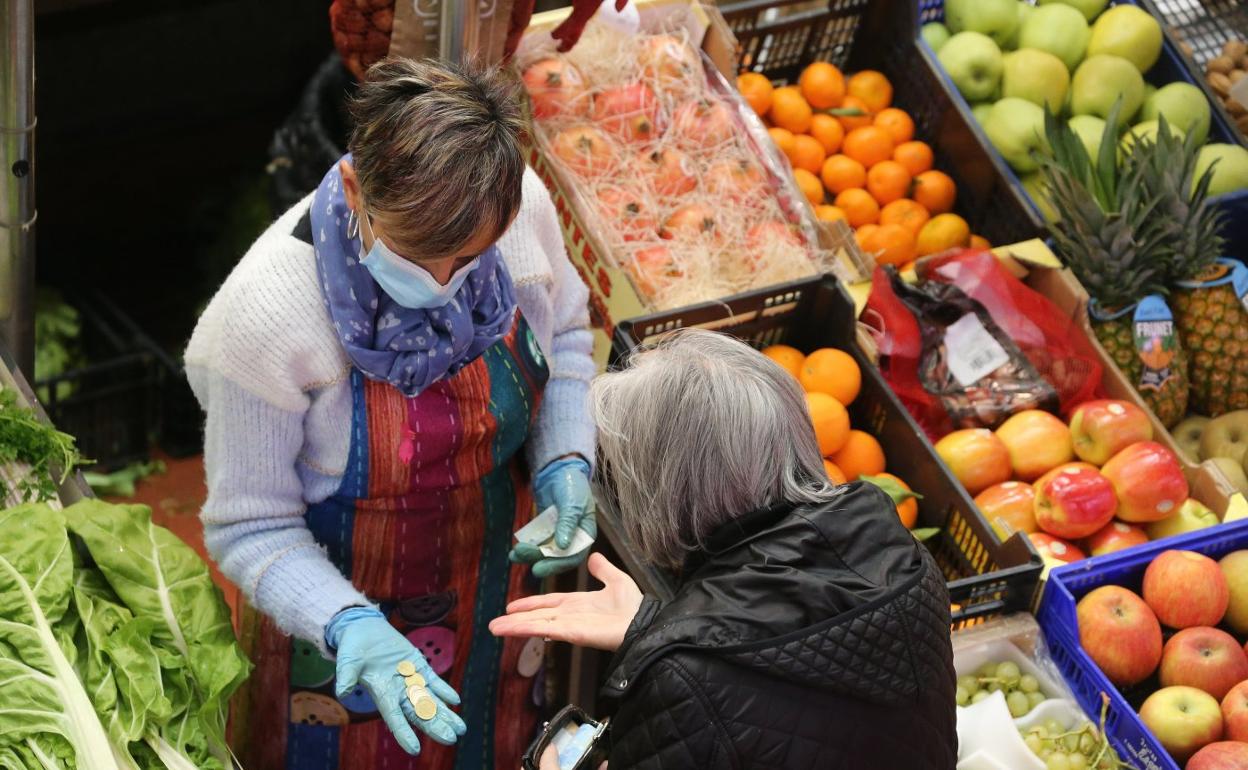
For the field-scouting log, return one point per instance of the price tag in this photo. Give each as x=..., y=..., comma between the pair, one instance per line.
x=971, y=352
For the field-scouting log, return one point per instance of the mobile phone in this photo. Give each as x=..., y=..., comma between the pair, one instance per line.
x=572, y=740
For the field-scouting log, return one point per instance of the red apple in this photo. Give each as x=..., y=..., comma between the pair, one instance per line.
x=1186, y=589
x=736, y=180
x=704, y=123
x=1206, y=658
x=669, y=60
x=1183, y=719
x=1223, y=755
x=1115, y=536
x=631, y=112
x=554, y=86
x=1073, y=501
x=1038, y=442
x=672, y=171
x=1120, y=633
x=653, y=268
x=1102, y=429
x=1235, y=713
x=1235, y=569
x=584, y=149
x=628, y=210
x=765, y=234
x=977, y=458
x=1009, y=508
x=1055, y=548
x=692, y=220
x=1148, y=481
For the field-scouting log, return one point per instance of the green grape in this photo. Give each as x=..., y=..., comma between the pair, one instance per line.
x=987, y=671
x=1008, y=671
x=1034, y=743
x=969, y=683
x=962, y=697
x=1041, y=731
x=1054, y=727
x=1036, y=698
x=1029, y=683
x=1018, y=703
x=1078, y=762
x=1057, y=762
x=1047, y=751
x=1088, y=743
x=994, y=686
x=979, y=696
x=1070, y=743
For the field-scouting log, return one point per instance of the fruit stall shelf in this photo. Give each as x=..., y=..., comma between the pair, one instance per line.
x=985, y=577
x=1171, y=67
x=779, y=37
x=1066, y=585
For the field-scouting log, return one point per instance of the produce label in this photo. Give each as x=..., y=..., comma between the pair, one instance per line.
x=971, y=352
x=1155, y=342
x=1239, y=280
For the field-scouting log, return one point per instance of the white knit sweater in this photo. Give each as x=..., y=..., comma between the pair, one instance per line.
x=270, y=374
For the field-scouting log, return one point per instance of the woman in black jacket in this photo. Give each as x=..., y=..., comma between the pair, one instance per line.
x=808, y=629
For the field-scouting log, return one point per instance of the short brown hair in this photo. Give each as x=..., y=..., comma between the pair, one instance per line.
x=437, y=151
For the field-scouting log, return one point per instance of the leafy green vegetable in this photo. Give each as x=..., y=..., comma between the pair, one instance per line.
x=27, y=440
x=57, y=329
x=121, y=483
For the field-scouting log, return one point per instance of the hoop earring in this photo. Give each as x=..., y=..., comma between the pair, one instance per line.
x=353, y=223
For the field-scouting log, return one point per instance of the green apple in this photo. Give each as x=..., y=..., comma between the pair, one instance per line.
x=1025, y=10
x=998, y=19
x=1231, y=172
x=1184, y=106
x=980, y=111
x=1090, y=130
x=974, y=63
x=1037, y=189
x=1234, y=473
x=1089, y=8
x=1144, y=130
x=1100, y=81
x=1058, y=29
x=1129, y=32
x=935, y=35
x=1191, y=516
x=1016, y=128
x=1037, y=76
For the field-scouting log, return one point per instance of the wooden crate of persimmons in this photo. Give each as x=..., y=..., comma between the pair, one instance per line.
x=856, y=159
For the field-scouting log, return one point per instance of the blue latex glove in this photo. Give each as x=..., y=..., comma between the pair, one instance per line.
x=565, y=485
x=369, y=653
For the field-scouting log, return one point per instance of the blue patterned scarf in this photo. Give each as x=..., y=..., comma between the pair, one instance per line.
x=410, y=349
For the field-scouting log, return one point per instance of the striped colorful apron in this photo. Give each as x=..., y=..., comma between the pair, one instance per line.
x=422, y=524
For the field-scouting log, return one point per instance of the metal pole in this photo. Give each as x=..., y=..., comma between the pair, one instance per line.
x=17, y=189
x=459, y=21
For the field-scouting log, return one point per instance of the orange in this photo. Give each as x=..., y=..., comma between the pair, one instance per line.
x=915, y=156
x=872, y=88
x=829, y=214
x=888, y=181
x=863, y=234
x=850, y=122
x=790, y=110
x=835, y=474
x=841, y=172
x=830, y=421
x=834, y=372
x=868, y=145
x=908, y=509
x=810, y=186
x=783, y=139
x=790, y=359
x=906, y=267
x=936, y=191
x=829, y=131
x=808, y=153
x=979, y=242
x=905, y=212
x=943, y=232
x=862, y=455
x=897, y=123
x=757, y=90
x=823, y=85
x=891, y=244
x=859, y=207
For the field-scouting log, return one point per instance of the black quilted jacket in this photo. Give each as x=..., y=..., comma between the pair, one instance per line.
x=811, y=637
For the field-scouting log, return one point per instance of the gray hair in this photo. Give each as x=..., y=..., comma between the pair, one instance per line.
x=698, y=430
x=437, y=151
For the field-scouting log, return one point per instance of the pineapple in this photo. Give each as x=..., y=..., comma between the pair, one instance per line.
x=1113, y=241
x=1212, y=322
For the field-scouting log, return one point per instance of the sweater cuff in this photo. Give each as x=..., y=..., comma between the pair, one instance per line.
x=302, y=591
x=563, y=426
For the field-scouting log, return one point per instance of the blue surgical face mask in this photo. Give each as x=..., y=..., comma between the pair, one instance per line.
x=407, y=283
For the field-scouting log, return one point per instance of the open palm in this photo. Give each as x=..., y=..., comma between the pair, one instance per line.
x=596, y=619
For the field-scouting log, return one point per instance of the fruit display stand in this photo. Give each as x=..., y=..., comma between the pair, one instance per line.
x=1169, y=68
x=1068, y=584
x=985, y=576
x=780, y=38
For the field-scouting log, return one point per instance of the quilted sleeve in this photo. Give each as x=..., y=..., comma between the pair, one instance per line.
x=666, y=723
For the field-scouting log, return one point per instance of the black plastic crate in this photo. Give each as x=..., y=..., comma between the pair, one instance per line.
x=780, y=37
x=986, y=577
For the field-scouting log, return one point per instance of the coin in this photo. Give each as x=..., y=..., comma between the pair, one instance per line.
x=407, y=668
x=415, y=679
x=414, y=693
x=426, y=707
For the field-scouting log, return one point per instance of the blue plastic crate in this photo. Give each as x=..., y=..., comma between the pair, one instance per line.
x=1067, y=585
x=1171, y=67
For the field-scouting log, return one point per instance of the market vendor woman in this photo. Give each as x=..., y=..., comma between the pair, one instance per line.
x=371, y=371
